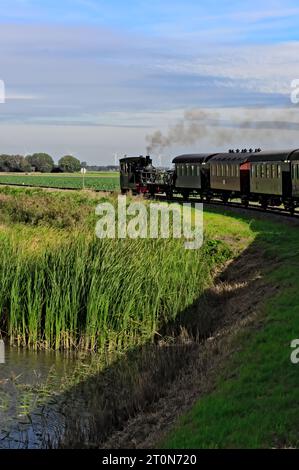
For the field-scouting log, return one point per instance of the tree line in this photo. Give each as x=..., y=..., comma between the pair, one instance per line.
x=40, y=162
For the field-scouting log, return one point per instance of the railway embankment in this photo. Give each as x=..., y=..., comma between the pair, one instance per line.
x=187, y=347
x=238, y=386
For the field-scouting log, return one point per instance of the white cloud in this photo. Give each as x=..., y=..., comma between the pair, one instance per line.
x=99, y=91
x=262, y=68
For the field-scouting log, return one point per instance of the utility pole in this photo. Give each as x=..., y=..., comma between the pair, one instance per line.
x=83, y=171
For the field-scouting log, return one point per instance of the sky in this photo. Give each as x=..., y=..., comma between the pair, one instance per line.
x=97, y=78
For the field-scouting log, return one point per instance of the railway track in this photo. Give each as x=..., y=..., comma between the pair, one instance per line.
x=17, y=185
x=276, y=211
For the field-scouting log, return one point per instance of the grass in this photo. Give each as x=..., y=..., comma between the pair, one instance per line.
x=62, y=288
x=255, y=400
x=104, y=181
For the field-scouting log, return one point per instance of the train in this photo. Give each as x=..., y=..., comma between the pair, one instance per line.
x=269, y=178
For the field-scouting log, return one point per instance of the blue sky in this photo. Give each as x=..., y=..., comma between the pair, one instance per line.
x=254, y=21
x=95, y=77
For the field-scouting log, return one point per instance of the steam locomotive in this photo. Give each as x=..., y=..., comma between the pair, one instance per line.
x=270, y=178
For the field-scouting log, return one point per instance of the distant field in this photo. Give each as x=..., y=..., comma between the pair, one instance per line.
x=99, y=181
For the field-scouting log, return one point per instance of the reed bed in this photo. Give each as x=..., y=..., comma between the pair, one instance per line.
x=62, y=288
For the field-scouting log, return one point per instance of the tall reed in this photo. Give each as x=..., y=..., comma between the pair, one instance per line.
x=95, y=294
x=64, y=289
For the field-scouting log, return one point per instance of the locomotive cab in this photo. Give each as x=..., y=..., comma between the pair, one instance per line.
x=131, y=171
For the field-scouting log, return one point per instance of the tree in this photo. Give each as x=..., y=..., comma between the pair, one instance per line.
x=14, y=163
x=4, y=165
x=41, y=162
x=69, y=164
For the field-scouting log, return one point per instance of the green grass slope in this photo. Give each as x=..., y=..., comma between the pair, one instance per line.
x=255, y=402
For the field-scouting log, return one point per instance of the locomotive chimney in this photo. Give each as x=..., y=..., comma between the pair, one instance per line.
x=148, y=160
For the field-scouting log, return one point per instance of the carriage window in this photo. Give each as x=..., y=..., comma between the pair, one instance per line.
x=273, y=171
x=237, y=170
x=278, y=170
x=262, y=171
x=198, y=170
x=222, y=169
x=227, y=169
x=297, y=165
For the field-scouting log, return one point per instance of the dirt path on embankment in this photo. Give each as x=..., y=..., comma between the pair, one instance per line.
x=209, y=328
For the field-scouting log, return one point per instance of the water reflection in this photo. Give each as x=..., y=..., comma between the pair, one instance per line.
x=2, y=352
x=29, y=411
